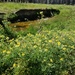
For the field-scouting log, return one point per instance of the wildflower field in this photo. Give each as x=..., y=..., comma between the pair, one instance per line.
x=47, y=48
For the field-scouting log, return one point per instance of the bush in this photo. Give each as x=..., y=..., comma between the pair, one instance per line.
x=46, y=53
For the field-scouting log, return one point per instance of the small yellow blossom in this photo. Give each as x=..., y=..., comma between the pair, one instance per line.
x=8, y=52
x=7, y=38
x=72, y=47
x=39, y=40
x=45, y=37
x=4, y=51
x=49, y=64
x=59, y=43
x=11, y=40
x=14, y=65
x=50, y=41
x=51, y=60
x=56, y=36
x=63, y=38
x=61, y=59
x=16, y=40
x=11, y=48
x=18, y=65
x=29, y=34
x=18, y=44
x=23, y=54
x=46, y=50
x=64, y=48
x=44, y=60
x=35, y=46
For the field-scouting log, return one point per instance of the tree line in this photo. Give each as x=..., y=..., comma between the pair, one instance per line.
x=43, y=1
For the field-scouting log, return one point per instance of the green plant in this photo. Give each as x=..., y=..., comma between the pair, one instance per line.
x=8, y=30
x=47, y=53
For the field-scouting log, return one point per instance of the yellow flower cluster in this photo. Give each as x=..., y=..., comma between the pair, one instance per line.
x=64, y=48
x=6, y=51
x=18, y=44
x=61, y=59
x=50, y=41
x=59, y=43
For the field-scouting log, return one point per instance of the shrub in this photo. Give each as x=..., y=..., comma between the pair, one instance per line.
x=48, y=53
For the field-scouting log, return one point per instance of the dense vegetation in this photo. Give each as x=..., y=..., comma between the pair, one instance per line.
x=47, y=48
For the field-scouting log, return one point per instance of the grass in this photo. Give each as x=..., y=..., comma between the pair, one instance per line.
x=45, y=48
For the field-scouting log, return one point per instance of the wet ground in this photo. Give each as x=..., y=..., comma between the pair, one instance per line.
x=23, y=25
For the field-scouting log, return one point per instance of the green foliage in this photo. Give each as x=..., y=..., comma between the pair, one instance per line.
x=31, y=29
x=8, y=30
x=45, y=50
x=41, y=54
x=12, y=15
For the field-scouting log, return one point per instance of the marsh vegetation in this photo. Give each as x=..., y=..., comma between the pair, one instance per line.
x=47, y=47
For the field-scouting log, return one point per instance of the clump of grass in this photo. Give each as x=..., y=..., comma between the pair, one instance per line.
x=8, y=30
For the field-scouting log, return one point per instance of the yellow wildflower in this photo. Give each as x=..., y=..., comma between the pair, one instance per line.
x=46, y=50
x=61, y=59
x=51, y=60
x=50, y=41
x=35, y=46
x=7, y=38
x=8, y=52
x=56, y=36
x=14, y=65
x=64, y=48
x=18, y=65
x=11, y=40
x=11, y=48
x=23, y=54
x=18, y=44
x=4, y=51
x=44, y=60
x=63, y=38
x=49, y=64
x=59, y=43
x=72, y=47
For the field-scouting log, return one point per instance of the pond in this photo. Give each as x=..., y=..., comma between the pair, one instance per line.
x=23, y=18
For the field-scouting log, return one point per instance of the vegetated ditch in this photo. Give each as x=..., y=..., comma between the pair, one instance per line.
x=24, y=17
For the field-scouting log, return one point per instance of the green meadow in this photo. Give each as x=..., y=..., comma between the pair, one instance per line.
x=46, y=48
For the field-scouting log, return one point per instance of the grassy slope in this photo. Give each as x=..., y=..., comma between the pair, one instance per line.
x=65, y=20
